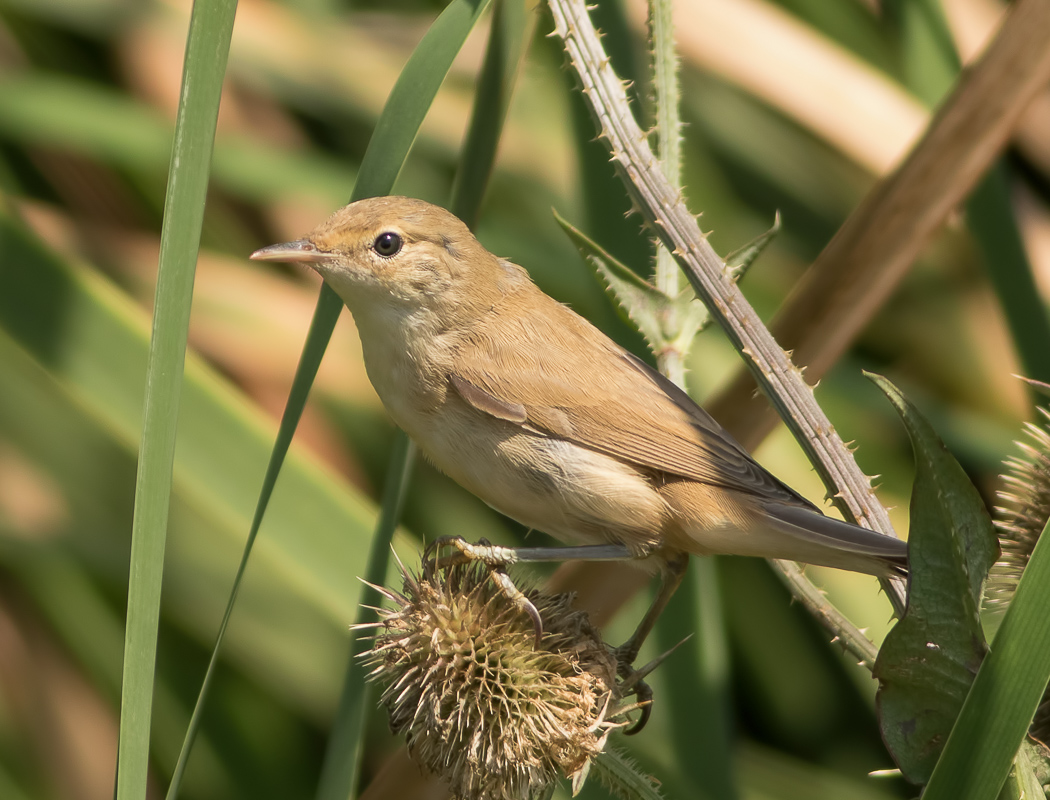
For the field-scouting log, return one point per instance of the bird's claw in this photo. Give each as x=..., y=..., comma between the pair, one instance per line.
x=644, y=695
x=632, y=681
x=496, y=558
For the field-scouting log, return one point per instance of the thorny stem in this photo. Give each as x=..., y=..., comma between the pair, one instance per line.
x=676, y=227
x=617, y=772
x=846, y=633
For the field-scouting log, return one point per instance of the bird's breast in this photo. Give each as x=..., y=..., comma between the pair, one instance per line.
x=408, y=374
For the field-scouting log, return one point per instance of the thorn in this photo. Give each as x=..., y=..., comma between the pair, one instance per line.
x=360, y=626
x=409, y=578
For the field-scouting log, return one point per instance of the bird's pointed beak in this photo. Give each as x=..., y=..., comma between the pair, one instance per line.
x=301, y=250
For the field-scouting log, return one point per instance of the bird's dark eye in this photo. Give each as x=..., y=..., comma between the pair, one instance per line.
x=387, y=244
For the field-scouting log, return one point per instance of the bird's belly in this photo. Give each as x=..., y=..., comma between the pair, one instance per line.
x=574, y=494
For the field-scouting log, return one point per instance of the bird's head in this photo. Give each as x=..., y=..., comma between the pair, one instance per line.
x=400, y=255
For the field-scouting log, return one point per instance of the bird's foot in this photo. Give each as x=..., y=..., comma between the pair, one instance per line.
x=463, y=552
x=633, y=680
x=496, y=558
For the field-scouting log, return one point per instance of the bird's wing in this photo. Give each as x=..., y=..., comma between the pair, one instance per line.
x=581, y=387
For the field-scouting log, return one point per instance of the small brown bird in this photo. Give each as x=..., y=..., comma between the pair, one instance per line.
x=545, y=418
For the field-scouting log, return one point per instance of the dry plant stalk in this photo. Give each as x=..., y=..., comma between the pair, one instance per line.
x=1020, y=517
x=855, y=274
x=1022, y=513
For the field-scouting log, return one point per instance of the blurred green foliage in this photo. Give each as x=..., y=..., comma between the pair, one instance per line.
x=88, y=90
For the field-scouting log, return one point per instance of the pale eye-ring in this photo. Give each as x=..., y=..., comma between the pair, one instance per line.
x=387, y=244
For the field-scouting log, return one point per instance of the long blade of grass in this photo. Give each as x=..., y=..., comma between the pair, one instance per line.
x=207, y=47
x=499, y=73
x=1004, y=696
x=701, y=716
x=994, y=226
x=411, y=98
x=339, y=774
x=343, y=753
x=387, y=150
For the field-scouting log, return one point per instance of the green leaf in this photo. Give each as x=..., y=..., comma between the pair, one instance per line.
x=411, y=97
x=698, y=677
x=620, y=775
x=642, y=304
x=929, y=659
x=75, y=115
x=343, y=753
x=990, y=215
x=740, y=260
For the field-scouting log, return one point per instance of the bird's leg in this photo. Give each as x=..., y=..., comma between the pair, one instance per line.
x=627, y=653
x=493, y=554
x=672, y=577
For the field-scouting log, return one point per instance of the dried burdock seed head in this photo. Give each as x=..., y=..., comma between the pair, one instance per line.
x=1019, y=520
x=478, y=702
x=1023, y=511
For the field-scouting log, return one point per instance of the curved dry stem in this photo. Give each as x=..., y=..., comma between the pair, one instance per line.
x=834, y=621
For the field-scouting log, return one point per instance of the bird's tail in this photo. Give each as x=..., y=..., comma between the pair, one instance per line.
x=830, y=542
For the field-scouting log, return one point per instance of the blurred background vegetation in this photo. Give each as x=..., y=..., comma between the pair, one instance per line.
x=797, y=106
